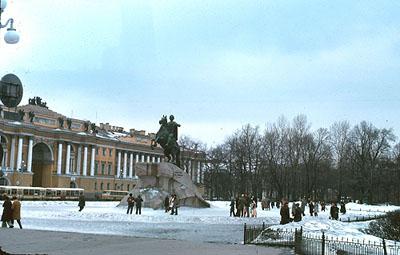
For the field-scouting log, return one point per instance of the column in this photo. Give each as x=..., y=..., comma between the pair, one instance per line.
x=190, y=170
x=130, y=165
x=59, y=158
x=158, y=159
x=198, y=171
x=19, y=153
x=142, y=160
x=79, y=159
x=201, y=173
x=12, y=154
x=148, y=159
x=30, y=151
x=68, y=159
x=125, y=164
x=92, y=161
x=137, y=158
x=84, y=170
x=119, y=164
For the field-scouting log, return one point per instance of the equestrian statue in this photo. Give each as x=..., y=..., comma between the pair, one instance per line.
x=167, y=137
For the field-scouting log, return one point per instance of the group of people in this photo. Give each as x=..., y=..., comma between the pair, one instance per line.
x=267, y=204
x=131, y=203
x=298, y=210
x=11, y=212
x=243, y=206
x=334, y=212
x=171, y=204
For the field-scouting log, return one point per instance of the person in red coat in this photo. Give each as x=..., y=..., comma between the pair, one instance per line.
x=7, y=215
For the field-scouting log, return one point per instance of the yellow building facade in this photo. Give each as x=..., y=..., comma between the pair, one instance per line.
x=42, y=148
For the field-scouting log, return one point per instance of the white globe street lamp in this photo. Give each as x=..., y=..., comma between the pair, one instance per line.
x=11, y=36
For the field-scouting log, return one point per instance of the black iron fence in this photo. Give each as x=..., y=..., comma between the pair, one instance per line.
x=307, y=243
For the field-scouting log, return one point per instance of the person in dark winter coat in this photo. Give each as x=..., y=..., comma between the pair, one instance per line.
x=166, y=204
x=232, y=205
x=131, y=203
x=334, y=212
x=247, y=205
x=311, y=208
x=6, y=217
x=240, y=208
x=323, y=206
x=81, y=202
x=139, y=201
x=303, y=206
x=297, y=213
x=16, y=211
x=285, y=216
x=342, y=207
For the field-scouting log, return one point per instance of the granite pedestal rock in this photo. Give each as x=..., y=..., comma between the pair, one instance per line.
x=158, y=180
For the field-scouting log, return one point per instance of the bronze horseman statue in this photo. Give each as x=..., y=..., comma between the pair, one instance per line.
x=167, y=137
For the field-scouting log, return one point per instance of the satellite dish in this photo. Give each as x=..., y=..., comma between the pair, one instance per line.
x=10, y=90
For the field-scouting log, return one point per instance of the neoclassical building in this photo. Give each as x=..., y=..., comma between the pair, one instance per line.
x=42, y=148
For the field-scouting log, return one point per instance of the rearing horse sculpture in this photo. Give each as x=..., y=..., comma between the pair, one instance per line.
x=170, y=146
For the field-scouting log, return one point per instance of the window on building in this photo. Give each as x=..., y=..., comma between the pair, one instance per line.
x=127, y=187
x=97, y=151
x=115, y=186
x=103, y=168
x=122, y=187
x=108, y=186
x=95, y=186
x=104, y=151
x=110, y=152
x=109, y=169
x=101, y=186
x=96, y=167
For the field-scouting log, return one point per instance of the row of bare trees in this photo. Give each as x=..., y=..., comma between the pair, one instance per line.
x=289, y=160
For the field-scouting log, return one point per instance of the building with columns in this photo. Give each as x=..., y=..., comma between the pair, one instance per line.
x=42, y=148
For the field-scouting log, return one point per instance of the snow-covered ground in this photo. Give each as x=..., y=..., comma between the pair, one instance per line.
x=203, y=225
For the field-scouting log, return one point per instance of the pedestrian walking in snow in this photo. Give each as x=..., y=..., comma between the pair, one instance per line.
x=16, y=211
x=232, y=206
x=166, y=204
x=342, y=207
x=316, y=208
x=323, y=206
x=334, y=212
x=311, y=208
x=253, y=207
x=285, y=216
x=264, y=204
x=237, y=206
x=174, y=204
x=246, y=205
x=297, y=213
x=131, y=203
x=139, y=201
x=81, y=202
x=241, y=206
x=6, y=217
x=293, y=208
x=303, y=205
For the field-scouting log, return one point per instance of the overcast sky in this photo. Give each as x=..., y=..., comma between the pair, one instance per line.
x=214, y=64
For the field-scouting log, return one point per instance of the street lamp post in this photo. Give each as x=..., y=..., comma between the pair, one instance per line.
x=11, y=36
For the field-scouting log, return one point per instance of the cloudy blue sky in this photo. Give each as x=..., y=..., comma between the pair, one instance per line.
x=214, y=64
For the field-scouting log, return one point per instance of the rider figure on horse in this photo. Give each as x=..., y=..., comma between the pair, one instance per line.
x=167, y=137
x=172, y=128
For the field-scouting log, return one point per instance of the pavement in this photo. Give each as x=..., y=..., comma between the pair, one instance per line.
x=26, y=241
